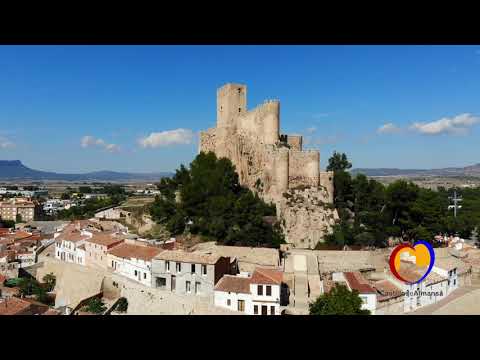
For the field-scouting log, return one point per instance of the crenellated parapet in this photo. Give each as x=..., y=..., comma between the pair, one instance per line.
x=274, y=166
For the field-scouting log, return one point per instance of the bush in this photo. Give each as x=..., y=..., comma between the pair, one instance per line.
x=122, y=305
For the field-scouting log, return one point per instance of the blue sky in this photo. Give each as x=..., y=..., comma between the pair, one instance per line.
x=385, y=106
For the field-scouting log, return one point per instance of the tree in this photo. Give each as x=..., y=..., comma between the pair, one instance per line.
x=85, y=190
x=339, y=301
x=338, y=162
x=96, y=306
x=122, y=305
x=50, y=281
x=65, y=196
x=214, y=205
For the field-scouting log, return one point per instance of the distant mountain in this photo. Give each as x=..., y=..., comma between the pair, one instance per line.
x=473, y=170
x=15, y=170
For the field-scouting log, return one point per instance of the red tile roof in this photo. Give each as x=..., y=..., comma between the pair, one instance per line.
x=267, y=276
x=235, y=284
x=357, y=282
x=14, y=306
x=387, y=290
x=2, y=279
x=105, y=239
x=135, y=251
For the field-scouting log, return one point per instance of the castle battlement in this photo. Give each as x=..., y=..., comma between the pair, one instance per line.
x=251, y=139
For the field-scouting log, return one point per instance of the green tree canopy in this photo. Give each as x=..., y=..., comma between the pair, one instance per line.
x=339, y=301
x=214, y=205
x=338, y=162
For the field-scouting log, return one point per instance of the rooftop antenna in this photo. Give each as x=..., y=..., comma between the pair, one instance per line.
x=455, y=205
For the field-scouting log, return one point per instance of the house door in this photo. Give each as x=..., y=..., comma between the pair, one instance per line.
x=173, y=283
x=264, y=310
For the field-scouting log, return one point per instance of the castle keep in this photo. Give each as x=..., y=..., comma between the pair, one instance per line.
x=272, y=164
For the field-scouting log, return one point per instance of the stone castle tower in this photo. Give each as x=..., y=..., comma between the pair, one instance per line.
x=272, y=164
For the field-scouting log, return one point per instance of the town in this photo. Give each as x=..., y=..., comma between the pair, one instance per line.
x=261, y=231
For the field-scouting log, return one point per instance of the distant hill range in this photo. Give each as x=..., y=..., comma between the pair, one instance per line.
x=15, y=170
x=473, y=170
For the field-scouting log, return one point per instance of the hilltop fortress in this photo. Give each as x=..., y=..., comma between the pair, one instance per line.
x=273, y=165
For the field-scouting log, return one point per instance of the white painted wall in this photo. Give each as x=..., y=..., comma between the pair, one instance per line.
x=221, y=300
x=128, y=268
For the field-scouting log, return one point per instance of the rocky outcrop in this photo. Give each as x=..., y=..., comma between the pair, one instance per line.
x=273, y=165
x=306, y=216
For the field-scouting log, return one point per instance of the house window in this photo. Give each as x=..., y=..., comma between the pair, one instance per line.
x=455, y=271
x=228, y=302
x=161, y=282
x=135, y=272
x=255, y=309
x=112, y=264
x=193, y=268
x=173, y=284
x=241, y=305
x=239, y=109
x=269, y=290
x=259, y=290
x=187, y=286
x=272, y=310
x=179, y=267
x=454, y=282
x=264, y=310
x=198, y=287
x=167, y=266
x=204, y=269
x=144, y=275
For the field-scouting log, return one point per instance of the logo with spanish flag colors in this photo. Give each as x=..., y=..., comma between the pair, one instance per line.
x=423, y=254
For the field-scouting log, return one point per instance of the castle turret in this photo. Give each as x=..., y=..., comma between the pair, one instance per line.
x=231, y=102
x=271, y=122
x=281, y=170
x=312, y=167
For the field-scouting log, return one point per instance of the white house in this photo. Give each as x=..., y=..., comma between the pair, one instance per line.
x=68, y=245
x=258, y=294
x=133, y=261
x=355, y=281
x=431, y=290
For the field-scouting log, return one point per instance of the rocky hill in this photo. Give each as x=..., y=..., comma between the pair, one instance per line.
x=15, y=170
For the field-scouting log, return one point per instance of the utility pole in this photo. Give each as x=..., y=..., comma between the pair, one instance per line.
x=455, y=205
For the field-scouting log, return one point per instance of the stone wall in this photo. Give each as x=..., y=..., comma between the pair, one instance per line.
x=270, y=164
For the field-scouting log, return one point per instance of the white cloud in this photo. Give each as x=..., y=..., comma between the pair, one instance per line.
x=388, y=128
x=5, y=143
x=167, y=138
x=458, y=125
x=88, y=141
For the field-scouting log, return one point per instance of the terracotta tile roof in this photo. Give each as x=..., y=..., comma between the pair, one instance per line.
x=235, y=284
x=72, y=236
x=447, y=263
x=386, y=290
x=267, y=276
x=129, y=251
x=357, y=282
x=105, y=239
x=413, y=273
x=14, y=306
x=4, y=231
x=189, y=257
x=2, y=279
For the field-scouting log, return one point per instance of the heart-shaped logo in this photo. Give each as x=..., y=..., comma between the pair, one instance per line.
x=421, y=254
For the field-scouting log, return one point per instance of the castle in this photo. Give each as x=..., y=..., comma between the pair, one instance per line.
x=272, y=164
